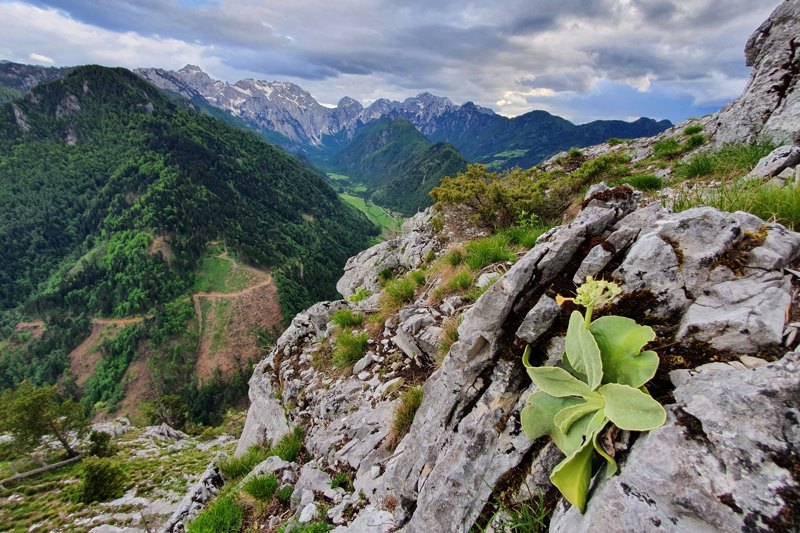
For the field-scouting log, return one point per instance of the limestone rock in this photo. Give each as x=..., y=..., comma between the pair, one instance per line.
x=538, y=320
x=407, y=251
x=195, y=499
x=718, y=464
x=769, y=107
x=775, y=162
x=164, y=432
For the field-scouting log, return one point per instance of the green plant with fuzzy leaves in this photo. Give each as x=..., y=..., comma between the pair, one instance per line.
x=602, y=382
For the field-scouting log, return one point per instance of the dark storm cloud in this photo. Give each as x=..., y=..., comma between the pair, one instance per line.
x=497, y=54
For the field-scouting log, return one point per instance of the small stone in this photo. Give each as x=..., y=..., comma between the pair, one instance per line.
x=538, y=320
x=486, y=279
x=374, y=472
x=308, y=513
x=787, y=174
x=715, y=366
x=752, y=362
x=364, y=376
x=738, y=365
x=391, y=385
x=362, y=364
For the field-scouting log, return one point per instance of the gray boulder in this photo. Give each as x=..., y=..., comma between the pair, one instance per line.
x=777, y=161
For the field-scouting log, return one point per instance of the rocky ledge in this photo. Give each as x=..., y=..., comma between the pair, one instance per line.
x=719, y=290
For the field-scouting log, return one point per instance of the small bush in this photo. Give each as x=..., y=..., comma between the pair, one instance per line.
x=237, y=467
x=667, y=148
x=223, y=516
x=437, y=223
x=361, y=294
x=400, y=290
x=449, y=334
x=525, y=236
x=285, y=493
x=430, y=256
x=101, y=479
x=484, y=252
x=693, y=129
x=100, y=444
x=349, y=348
x=405, y=411
x=460, y=281
x=343, y=480
x=347, y=318
x=697, y=166
x=385, y=275
x=454, y=257
x=614, y=141
x=418, y=277
x=311, y=527
x=289, y=446
x=261, y=487
x=574, y=153
x=694, y=141
x=643, y=182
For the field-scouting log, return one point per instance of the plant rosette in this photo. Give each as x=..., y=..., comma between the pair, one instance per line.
x=602, y=382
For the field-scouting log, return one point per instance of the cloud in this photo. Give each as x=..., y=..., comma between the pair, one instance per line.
x=508, y=56
x=39, y=58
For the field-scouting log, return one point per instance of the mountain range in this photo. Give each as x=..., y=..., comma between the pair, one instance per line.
x=300, y=124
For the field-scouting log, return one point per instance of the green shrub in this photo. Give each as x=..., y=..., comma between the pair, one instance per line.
x=667, y=148
x=405, y=411
x=461, y=280
x=311, y=527
x=437, y=223
x=285, y=493
x=101, y=479
x=261, y=487
x=697, y=166
x=223, y=516
x=526, y=235
x=590, y=170
x=430, y=256
x=237, y=467
x=361, y=294
x=100, y=444
x=613, y=141
x=343, y=480
x=289, y=446
x=643, y=182
x=693, y=129
x=347, y=318
x=385, y=275
x=483, y=252
x=400, y=290
x=418, y=277
x=349, y=348
x=454, y=257
x=574, y=153
x=735, y=160
x=694, y=141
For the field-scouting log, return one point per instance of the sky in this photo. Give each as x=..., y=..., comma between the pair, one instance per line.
x=580, y=59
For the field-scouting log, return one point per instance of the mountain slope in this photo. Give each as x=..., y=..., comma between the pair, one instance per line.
x=109, y=194
x=397, y=164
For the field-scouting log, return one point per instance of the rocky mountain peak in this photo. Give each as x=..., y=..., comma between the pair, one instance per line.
x=349, y=103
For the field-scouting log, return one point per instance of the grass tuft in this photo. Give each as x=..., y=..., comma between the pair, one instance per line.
x=348, y=348
x=693, y=129
x=404, y=414
x=347, y=318
x=643, y=182
x=261, y=487
x=237, y=467
x=224, y=515
x=492, y=249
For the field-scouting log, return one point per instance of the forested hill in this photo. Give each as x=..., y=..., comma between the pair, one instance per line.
x=110, y=192
x=397, y=164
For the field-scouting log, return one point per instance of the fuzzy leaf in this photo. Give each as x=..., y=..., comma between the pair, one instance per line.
x=565, y=418
x=620, y=341
x=537, y=417
x=558, y=382
x=631, y=409
x=582, y=351
x=573, y=475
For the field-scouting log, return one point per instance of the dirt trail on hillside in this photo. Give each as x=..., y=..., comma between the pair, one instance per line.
x=86, y=355
x=227, y=330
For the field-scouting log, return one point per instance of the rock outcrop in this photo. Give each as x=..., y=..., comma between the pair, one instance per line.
x=710, y=283
x=769, y=107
